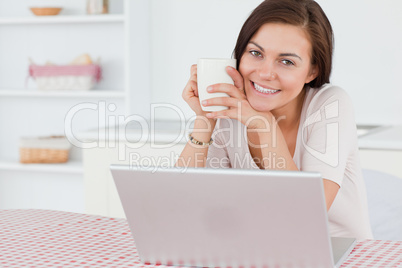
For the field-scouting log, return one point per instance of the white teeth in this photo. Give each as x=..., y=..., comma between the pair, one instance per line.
x=264, y=90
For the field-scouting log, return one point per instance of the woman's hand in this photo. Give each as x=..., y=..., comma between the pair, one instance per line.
x=239, y=107
x=190, y=93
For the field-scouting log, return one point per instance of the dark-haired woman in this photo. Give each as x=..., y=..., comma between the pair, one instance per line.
x=283, y=113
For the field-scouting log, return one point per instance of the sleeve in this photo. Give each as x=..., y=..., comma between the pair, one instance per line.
x=328, y=134
x=217, y=153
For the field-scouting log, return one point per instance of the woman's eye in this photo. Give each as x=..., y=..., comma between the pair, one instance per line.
x=287, y=62
x=255, y=53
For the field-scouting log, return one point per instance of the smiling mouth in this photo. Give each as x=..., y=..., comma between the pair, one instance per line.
x=264, y=90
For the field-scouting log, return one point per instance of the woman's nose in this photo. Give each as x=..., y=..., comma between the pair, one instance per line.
x=267, y=71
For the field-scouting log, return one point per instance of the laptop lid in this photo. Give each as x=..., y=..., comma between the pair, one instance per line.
x=225, y=217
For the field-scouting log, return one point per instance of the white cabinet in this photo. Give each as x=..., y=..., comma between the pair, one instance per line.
x=101, y=197
x=381, y=150
x=388, y=161
x=24, y=111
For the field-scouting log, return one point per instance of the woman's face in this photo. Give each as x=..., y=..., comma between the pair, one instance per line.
x=275, y=66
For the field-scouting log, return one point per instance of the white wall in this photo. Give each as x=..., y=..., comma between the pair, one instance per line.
x=368, y=56
x=368, y=49
x=183, y=31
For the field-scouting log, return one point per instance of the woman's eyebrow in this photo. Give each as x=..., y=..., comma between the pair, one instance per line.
x=257, y=45
x=290, y=55
x=281, y=55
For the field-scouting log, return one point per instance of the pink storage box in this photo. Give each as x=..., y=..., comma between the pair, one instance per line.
x=65, y=77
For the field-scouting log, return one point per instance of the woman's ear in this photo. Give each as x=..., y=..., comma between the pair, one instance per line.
x=313, y=74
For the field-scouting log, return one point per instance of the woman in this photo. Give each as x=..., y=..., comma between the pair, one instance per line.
x=283, y=113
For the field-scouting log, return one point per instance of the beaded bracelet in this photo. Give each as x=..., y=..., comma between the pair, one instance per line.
x=197, y=142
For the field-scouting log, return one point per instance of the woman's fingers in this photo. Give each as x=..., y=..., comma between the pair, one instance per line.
x=222, y=101
x=194, y=86
x=193, y=79
x=190, y=90
x=229, y=89
x=236, y=76
x=193, y=71
x=230, y=113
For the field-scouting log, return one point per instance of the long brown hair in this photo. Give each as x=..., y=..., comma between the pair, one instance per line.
x=304, y=13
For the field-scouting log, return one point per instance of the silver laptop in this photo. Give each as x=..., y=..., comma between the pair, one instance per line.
x=228, y=217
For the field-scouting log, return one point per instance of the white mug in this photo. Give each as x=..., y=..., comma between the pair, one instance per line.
x=210, y=72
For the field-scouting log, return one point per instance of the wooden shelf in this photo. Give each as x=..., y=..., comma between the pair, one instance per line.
x=63, y=19
x=71, y=167
x=56, y=94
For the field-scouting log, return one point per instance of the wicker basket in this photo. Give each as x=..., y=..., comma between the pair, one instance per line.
x=53, y=149
x=35, y=155
x=46, y=11
x=65, y=77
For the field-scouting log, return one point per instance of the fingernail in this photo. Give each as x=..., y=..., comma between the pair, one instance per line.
x=204, y=103
x=209, y=89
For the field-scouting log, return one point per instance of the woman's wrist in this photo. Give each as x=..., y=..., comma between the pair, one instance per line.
x=197, y=142
x=203, y=128
x=204, y=124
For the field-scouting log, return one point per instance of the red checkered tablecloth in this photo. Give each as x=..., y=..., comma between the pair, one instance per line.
x=45, y=238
